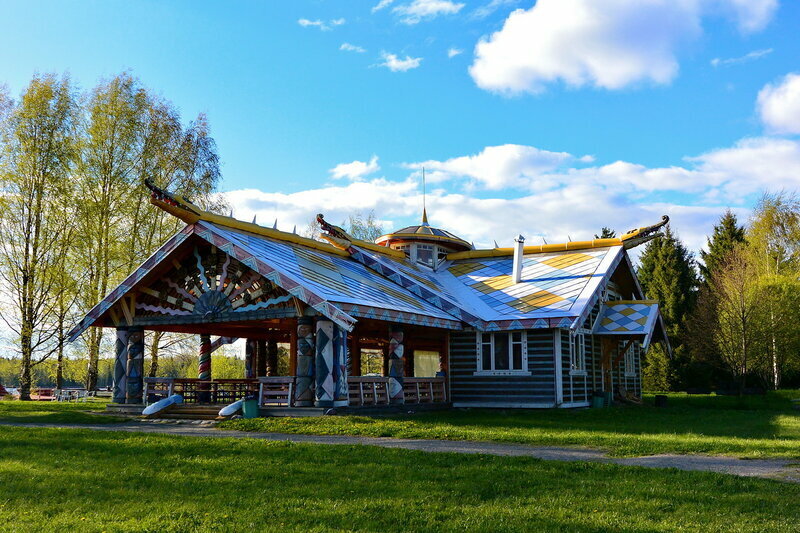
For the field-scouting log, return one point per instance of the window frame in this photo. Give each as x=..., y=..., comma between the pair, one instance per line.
x=629, y=361
x=523, y=343
x=577, y=353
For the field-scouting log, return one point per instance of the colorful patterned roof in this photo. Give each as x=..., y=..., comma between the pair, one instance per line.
x=629, y=318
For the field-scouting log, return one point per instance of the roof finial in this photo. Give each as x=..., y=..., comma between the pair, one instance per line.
x=424, y=208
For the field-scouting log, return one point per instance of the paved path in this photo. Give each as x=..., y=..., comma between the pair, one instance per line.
x=787, y=470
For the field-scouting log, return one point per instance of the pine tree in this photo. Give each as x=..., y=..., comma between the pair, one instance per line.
x=667, y=274
x=727, y=234
x=606, y=233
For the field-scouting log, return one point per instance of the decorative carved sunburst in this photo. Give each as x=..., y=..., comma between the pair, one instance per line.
x=209, y=283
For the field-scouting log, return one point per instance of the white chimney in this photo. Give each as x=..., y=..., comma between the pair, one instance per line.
x=516, y=274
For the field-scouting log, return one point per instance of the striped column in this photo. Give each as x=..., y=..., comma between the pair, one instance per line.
x=396, y=366
x=204, y=368
x=121, y=366
x=134, y=382
x=325, y=390
x=272, y=358
x=304, y=392
x=341, y=391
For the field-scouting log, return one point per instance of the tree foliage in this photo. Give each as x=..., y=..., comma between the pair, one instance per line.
x=726, y=236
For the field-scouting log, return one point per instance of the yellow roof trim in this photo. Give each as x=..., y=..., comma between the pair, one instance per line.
x=420, y=237
x=544, y=248
x=196, y=214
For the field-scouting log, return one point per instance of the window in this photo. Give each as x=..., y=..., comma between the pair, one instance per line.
x=577, y=353
x=502, y=353
x=426, y=363
x=425, y=254
x=630, y=360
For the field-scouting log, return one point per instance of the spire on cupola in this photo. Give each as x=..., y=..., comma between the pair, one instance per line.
x=424, y=207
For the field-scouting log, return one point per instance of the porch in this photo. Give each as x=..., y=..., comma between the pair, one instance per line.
x=279, y=391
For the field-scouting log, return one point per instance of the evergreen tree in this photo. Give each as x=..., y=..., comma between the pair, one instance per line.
x=667, y=274
x=727, y=234
x=606, y=233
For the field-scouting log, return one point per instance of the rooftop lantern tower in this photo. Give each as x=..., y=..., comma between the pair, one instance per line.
x=423, y=243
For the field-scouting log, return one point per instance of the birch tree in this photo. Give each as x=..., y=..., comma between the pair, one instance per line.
x=35, y=182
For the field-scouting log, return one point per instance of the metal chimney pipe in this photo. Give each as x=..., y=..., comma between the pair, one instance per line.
x=516, y=274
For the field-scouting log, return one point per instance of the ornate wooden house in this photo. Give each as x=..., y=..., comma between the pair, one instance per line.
x=528, y=326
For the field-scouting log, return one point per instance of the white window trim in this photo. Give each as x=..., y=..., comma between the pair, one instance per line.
x=630, y=357
x=479, y=359
x=577, y=350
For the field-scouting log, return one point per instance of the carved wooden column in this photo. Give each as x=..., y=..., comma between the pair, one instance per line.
x=396, y=366
x=306, y=353
x=249, y=359
x=121, y=366
x=261, y=359
x=271, y=358
x=331, y=365
x=204, y=368
x=134, y=382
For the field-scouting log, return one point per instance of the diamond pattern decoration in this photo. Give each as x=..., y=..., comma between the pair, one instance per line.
x=627, y=317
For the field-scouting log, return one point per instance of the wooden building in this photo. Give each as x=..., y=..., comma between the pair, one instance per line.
x=528, y=326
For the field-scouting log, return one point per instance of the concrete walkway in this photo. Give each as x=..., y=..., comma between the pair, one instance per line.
x=786, y=470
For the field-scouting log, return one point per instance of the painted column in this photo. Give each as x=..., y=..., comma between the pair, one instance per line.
x=325, y=391
x=121, y=366
x=396, y=366
x=272, y=358
x=341, y=395
x=134, y=383
x=249, y=363
x=204, y=368
x=306, y=351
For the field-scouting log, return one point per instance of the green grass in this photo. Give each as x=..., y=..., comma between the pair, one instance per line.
x=56, y=412
x=753, y=427
x=80, y=480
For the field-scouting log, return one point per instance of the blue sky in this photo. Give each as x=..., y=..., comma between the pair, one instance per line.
x=553, y=119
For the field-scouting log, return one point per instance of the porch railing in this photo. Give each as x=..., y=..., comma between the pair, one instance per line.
x=278, y=391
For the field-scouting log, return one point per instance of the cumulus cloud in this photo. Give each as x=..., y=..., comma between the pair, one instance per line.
x=496, y=167
x=419, y=10
x=779, y=105
x=751, y=56
x=453, y=52
x=355, y=170
x=383, y=4
x=609, y=44
x=322, y=25
x=395, y=64
x=347, y=47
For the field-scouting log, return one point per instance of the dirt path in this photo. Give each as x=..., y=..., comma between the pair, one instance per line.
x=787, y=470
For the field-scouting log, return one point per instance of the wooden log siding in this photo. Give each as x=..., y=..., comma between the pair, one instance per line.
x=536, y=389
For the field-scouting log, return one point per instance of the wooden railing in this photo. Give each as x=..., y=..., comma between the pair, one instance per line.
x=371, y=390
x=368, y=390
x=277, y=391
x=425, y=390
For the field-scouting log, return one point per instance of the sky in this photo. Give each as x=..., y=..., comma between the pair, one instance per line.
x=549, y=119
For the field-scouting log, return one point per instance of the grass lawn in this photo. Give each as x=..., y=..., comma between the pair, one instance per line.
x=754, y=427
x=79, y=480
x=56, y=412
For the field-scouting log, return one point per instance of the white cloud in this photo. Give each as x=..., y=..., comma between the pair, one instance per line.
x=395, y=64
x=487, y=9
x=383, y=4
x=608, y=44
x=347, y=47
x=306, y=23
x=561, y=196
x=779, y=105
x=496, y=167
x=751, y=56
x=419, y=10
x=453, y=52
x=355, y=170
